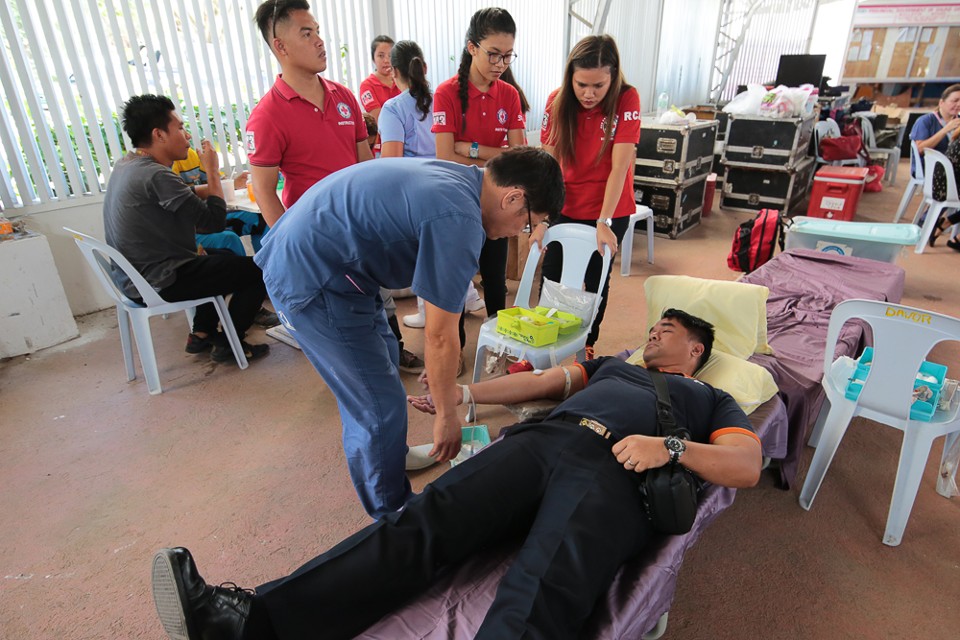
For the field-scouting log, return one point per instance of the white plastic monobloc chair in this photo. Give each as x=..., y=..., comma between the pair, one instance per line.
x=129, y=312
x=891, y=155
x=830, y=129
x=579, y=243
x=902, y=336
x=916, y=182
x=935, y=208
x=626, y=249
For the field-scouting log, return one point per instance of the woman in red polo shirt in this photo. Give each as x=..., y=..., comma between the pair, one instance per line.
x=476, y=115
x=591, y=126
x=379, y=86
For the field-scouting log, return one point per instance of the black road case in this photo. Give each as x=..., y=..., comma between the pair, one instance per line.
x=676, y=208
x=746, y=189
x=675, y=154
x=779, y=144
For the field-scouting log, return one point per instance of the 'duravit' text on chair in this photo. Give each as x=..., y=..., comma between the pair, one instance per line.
x=99, y=256
x=902, y=338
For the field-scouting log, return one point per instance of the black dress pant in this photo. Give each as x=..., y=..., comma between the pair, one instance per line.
x=219, y=275
x=554, y=486
x=493, y=277
x=553, y=266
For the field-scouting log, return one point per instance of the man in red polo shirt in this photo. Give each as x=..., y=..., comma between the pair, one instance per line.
x=305, y=126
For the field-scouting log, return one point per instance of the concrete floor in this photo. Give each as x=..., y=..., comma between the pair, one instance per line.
x=246, y=469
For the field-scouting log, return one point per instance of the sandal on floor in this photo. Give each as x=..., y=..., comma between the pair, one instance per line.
x=942, y=225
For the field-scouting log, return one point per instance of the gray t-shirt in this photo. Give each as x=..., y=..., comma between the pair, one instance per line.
x=151, y=216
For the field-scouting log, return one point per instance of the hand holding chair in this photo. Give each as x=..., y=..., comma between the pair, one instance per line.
x=935, y=208
x=579, y=243
x=99, y=256
x=903, y=336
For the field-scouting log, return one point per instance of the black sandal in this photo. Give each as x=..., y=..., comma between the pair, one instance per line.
x=942, y=225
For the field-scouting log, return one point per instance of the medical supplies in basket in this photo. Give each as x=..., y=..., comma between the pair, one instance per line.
x=926, y=389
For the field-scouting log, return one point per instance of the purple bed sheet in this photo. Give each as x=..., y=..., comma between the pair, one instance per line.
x=454, y=607
x=805, y=286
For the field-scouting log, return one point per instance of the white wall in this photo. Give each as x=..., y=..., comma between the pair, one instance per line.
x=84, y=293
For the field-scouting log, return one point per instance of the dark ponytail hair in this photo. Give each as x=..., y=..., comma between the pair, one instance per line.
x=406, y=58
x=376, y=43
x=484, y=22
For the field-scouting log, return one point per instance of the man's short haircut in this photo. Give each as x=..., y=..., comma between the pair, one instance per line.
x=536, y=172
x=700, y=329
x=142, y=114
x=272, y=12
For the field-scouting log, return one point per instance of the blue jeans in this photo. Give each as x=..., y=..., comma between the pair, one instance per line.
x=348, y=341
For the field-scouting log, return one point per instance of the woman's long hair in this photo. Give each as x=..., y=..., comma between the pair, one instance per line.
x=484, y=22
x=406, y=57
x=593, y=52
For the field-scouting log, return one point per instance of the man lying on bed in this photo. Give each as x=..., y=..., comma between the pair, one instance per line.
x=569, y=492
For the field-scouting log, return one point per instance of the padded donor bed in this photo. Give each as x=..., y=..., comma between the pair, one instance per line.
x=781, y=325
x=805, y=286
x=643, y=590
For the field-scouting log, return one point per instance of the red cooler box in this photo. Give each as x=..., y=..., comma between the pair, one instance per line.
x=836, y=192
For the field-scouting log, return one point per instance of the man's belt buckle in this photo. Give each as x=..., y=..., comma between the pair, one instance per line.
x=596, y=427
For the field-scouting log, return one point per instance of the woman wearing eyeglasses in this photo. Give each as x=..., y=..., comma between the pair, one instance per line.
x=591, y=126
x=478, y=114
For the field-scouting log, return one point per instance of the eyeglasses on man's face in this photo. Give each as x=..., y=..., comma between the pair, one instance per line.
x=496, y=58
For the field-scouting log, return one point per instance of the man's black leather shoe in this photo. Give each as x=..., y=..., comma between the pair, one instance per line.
x=189, y=608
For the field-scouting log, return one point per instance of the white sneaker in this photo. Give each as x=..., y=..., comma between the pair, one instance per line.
x=417, y=457
x=474, y=302
x=416, y=320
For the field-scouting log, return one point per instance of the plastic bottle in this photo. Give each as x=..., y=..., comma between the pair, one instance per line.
x=663, y=103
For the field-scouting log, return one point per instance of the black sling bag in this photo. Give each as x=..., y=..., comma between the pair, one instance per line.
x=669, y=492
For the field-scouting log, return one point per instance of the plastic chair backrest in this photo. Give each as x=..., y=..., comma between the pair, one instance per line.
x=579, y=243
x=100, y=256
x=902, y=338
x=932, y=158
x=916, y=160
x=869, y=136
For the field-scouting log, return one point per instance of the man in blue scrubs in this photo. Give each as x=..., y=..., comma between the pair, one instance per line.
x=388, y=224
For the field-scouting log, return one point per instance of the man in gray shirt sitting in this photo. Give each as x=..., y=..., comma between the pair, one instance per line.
x=151, y=216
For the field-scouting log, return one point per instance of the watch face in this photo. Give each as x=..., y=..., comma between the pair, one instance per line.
x=675, y=444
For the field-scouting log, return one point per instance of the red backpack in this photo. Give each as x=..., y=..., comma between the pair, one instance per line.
x=755, y=240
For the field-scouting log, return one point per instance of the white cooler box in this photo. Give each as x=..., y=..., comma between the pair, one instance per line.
x=876, y=241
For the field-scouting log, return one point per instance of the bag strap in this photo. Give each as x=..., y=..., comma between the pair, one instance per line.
x=666, y=424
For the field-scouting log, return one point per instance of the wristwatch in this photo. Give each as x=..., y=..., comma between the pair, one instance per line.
x=475, y=150
x=607, y=221
x=675, y=446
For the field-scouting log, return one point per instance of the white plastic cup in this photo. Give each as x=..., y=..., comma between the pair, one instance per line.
x=229, y=193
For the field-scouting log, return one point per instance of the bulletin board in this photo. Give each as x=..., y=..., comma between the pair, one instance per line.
x=891, y=41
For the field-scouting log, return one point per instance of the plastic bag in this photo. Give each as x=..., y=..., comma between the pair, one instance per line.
x=675, y=116
x=874, y=179
x=748, y=102
x=947, y=481
x=776, y=104
x=575, y=301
